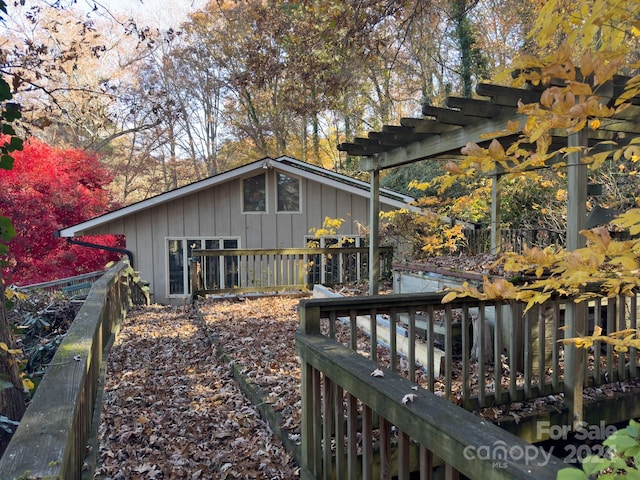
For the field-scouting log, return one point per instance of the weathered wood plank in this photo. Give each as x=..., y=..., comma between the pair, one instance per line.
x=443, y=428
x=52, y=437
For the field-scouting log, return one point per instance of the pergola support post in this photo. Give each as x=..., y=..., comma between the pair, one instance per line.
x=576, y=313
x=374, y=224
x=496, y=192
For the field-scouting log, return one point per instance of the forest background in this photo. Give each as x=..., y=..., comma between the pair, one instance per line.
x=237, y=81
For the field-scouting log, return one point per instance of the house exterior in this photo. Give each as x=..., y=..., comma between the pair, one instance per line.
x=270, y=203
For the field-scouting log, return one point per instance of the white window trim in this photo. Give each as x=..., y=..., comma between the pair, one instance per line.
x=266, y=195
x=300, y=196
x=185, y=275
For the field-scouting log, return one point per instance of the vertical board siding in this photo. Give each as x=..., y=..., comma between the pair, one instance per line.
x=206, y=213
x=175, y=218
x=223, y=201
x=217, y=212
x=191, y=209
x=160, y=231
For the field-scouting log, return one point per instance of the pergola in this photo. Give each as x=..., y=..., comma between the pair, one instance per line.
x=443, y=132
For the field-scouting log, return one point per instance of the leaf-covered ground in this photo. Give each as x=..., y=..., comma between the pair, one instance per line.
x=171, y=409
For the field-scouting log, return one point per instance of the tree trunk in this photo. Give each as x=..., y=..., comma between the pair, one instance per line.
x=12, y=401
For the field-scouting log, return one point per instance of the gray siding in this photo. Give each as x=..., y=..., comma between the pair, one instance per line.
x=217, y=212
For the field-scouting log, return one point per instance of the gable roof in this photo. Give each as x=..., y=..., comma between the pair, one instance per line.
x=284, y=163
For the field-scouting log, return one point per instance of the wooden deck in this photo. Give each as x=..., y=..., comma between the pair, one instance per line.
x=217, y=272
x=531, y=365
x=418, y=418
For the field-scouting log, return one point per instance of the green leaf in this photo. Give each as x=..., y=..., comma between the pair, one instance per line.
x=620, y=441
x=7, y=232
x=15, y=144
x=571, y=474
x=12, y=112
x=6, y=162
x=633, y=451
x=5, y=89
x=593, y=464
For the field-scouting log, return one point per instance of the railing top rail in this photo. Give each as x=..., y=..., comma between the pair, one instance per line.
x=282, y=251
x=384, y=303
x=63, y=281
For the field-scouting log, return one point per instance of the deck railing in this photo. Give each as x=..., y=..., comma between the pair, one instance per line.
x=512, y=239
x=450, y=351
x=280, y=269
x=52, y=438
x=358, y=424
x=79, y=282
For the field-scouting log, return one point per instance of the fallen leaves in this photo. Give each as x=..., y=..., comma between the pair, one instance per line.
x=172, y=410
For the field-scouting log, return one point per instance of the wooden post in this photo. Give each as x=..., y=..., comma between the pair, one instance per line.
x=374, y=222
x=576, y=313
x=494, y=232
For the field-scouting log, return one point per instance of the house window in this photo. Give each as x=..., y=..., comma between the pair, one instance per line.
x=218, y=272
x=288, y=191
x=254, y=194
x=332, y=269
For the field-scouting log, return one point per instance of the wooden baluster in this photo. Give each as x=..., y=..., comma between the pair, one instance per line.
x=352, y=437
x=367, y=442
x=404, y=445
x=385, y=449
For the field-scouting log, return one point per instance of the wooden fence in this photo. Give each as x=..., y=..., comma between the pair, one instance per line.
x=511, y=239
x=281, y=269
x=51, y=440
x=342, y=341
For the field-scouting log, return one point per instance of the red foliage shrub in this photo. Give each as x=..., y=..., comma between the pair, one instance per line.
x=51, y=188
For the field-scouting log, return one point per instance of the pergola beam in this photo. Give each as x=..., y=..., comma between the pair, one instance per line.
x=447, y=142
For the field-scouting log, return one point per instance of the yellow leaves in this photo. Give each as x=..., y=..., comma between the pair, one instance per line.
x=561, y=195
x=621, y=340
x=513, y=126
x=496, y=151
x=564, y=71
x=629, y=219
x=330, y=226
x=5, y=348
x=499, y=289
x=631, y=89
x=599, y=237
x=418, y=185
x=632, y=153
x=27, y=384
x=586, y=63
x=11, y=293
x=473, y=150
